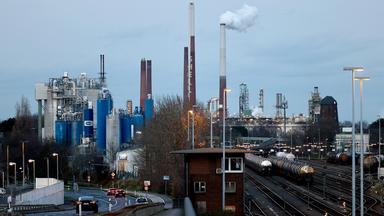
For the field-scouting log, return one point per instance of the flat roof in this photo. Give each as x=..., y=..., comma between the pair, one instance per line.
x=210, y=151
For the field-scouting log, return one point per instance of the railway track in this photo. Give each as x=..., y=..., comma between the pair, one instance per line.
x=314, y=201
x=337, y=177
x=277, y=199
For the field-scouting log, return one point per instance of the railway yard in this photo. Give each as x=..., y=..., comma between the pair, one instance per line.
x=305, y=187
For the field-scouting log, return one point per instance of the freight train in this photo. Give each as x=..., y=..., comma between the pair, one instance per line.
x=258, y=164
x=371, y=162
x=295, y=170
x=339, y=158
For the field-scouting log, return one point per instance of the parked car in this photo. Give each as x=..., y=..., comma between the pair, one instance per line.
x=141, y=200
x=2, y=191
x=111, y=191
x=88, y=203
x=120, y=193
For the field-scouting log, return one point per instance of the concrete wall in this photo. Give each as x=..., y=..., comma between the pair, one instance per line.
x=44, y=193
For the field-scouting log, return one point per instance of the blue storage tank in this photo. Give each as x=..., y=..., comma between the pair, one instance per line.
x=61, y=135
x=148, y=111
x=88, y=122
x=102, y=112
x=138, y=122
x=125, y=125
x=76, y=132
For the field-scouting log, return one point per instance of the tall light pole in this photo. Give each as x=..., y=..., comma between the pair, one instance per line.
x=14, y=164
x=33, y=169
x=57, y=165
x=226, y=90
x=22, y=148
x=361, y=79
x=378, y=171
x=2, y=172
x=193, y=128
x=353, y=70
x=213, y=99
x=47, y=158
x=188, y=125
x=7, y=165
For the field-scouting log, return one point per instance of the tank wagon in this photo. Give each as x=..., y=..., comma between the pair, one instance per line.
x=295, y=170
x=258, y=164
x=371, y=162
x=283, y=155
x=339, y=158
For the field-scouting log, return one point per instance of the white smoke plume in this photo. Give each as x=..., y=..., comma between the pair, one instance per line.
x=241, y=19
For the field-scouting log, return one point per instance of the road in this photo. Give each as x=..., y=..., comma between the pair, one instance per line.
x=103, y=202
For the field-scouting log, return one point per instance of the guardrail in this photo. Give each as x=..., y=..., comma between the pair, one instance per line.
x=26, y=208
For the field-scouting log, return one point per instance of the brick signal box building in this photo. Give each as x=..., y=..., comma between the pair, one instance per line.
x=203, y=179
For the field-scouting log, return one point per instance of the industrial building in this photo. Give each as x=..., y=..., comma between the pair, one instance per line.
x=314, y=105
x=244, y=110
x=203, y=179
x=79, y=113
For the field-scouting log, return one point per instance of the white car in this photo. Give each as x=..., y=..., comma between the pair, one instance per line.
x=2, y=191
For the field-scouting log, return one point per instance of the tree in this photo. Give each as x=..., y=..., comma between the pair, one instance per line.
x=167, y=132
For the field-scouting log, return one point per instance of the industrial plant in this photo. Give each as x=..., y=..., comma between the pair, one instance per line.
x=79, y=113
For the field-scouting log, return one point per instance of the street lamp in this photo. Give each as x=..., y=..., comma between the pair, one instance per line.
x=361, y=79
x=14, y=164
x=213, y=99
x=57, y=164
x=47, y=158
x=353, y=70
x=193, y=127
x=378, y=171
x=33, y=166
x=22, y=148
x=226, y=90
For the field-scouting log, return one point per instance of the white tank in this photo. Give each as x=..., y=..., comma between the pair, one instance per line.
x=290, y=156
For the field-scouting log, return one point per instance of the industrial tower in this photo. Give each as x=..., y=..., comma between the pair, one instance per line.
x=244, y=110
x=314, y=105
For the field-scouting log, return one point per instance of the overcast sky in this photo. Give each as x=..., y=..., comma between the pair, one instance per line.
x=294, y=46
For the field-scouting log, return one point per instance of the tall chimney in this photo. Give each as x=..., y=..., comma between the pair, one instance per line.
x=192, y=66
x=143, y=82
x=223, y=78
x=186, y=78
x=102, y=72
x=149, y=77
x=261, y=101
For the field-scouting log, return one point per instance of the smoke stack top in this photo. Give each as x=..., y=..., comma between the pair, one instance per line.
x=241, y=19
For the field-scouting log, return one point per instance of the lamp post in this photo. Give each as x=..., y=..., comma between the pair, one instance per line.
x=213, y=99
x=33, y=169
x=353, y=70
x=57, y=164
x=188, y=125
x=14, y=164
x=378, y=171
x=22, y=148
x=226, y=90
x=193, y=128
x=47, y=158
x=7, y=165
x=361, y=79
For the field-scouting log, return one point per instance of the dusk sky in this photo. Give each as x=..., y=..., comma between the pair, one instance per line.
x=293, y=46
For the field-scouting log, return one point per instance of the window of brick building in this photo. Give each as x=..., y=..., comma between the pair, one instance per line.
x=234, y=164
x=199, y=187
x=230, y=187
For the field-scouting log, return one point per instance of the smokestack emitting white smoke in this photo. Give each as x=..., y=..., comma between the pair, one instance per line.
x=241, y=19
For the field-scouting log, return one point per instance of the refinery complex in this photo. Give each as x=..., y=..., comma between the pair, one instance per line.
x=79, y=112
x=178, y=155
